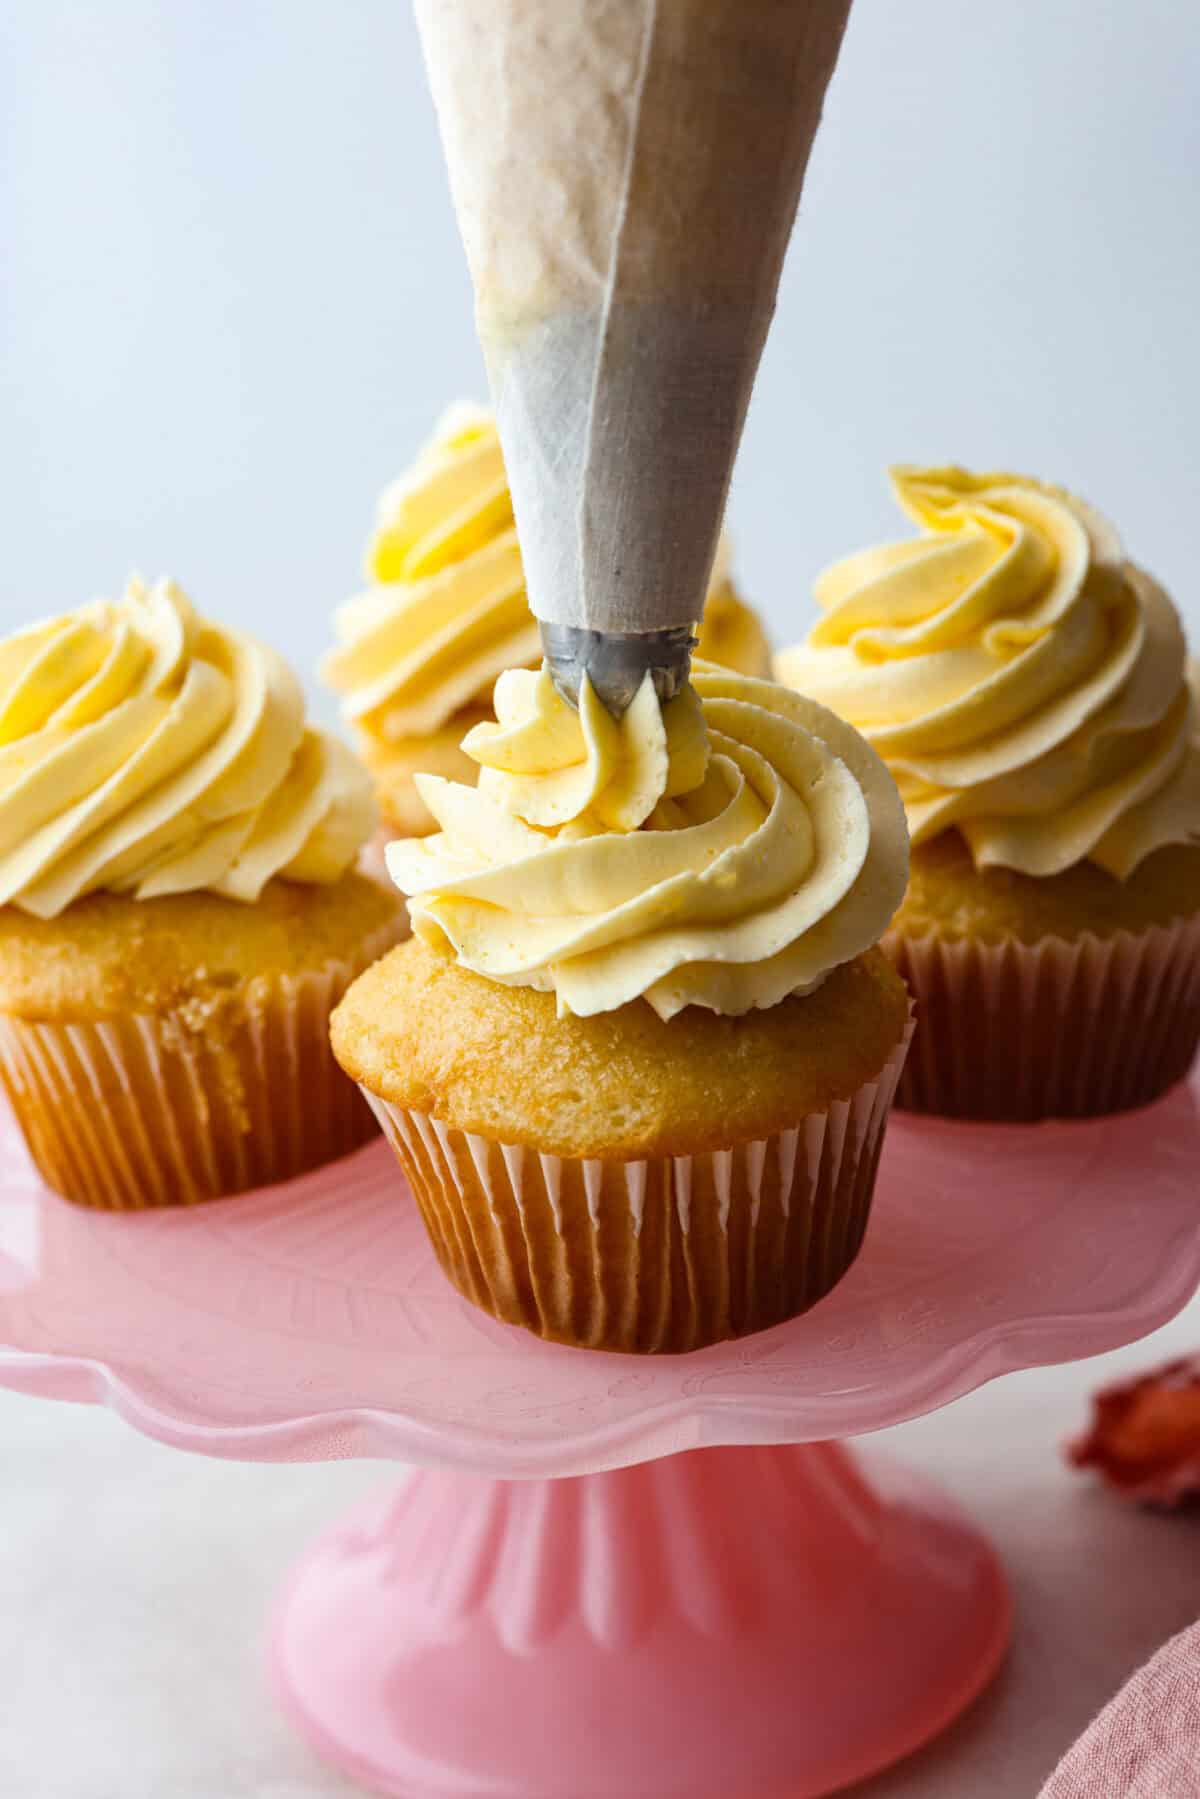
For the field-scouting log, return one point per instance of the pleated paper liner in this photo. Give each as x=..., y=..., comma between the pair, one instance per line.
x=1056, y=1029
x=159, y=1110
x=660, y=1255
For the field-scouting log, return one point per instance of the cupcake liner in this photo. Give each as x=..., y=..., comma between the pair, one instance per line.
x=1055, y=1029
x=665, y=1254
x=158, y=1110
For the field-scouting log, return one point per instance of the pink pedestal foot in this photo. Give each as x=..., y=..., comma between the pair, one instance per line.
x=742, y=1623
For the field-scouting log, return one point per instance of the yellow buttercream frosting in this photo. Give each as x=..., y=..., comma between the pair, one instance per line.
x=586, y=771
x=146, y=750
x=1022, y=680
x=446, y=611
x=724, y=850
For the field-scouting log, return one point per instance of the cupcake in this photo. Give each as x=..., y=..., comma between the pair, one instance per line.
x=446, y=613
x=179, y=907
x=1027, y=687
x=637, y=1060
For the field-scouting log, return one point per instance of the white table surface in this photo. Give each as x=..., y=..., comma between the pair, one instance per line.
x=135, y=1582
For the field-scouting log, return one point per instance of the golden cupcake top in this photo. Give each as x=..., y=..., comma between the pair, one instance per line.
x=725, y=850
x=1023, y=681
x=428, y=1035
x=146, y=750
x=447, y=612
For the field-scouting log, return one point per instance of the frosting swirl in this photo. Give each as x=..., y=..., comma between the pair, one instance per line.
x=585, y=772
x=145, y=750
x=725, y=850
x=447, y=610
x=1022, y=680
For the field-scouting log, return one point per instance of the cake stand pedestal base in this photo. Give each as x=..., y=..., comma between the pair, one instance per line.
x=735, y=1623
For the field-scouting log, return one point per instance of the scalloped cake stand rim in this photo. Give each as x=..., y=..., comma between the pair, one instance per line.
x=701, y=1421
x=667, y=1423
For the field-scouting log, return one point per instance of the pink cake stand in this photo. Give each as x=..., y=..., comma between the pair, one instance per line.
x=613, y=1577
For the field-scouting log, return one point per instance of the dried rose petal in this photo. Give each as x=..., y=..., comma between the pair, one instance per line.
x=1144, y=1436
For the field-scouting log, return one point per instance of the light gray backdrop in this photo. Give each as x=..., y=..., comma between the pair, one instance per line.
x=235, y=298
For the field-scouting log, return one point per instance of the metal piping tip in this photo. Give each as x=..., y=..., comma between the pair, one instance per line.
x=616, y=662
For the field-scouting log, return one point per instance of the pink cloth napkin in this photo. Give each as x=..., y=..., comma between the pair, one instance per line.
x=1145, y=1744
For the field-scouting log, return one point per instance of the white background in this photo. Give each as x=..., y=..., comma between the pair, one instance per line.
x=233, y=302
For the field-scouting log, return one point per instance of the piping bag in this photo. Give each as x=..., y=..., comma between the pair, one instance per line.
x=625, y=174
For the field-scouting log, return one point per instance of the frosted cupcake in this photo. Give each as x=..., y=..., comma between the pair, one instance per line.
x=1026, y=685
x=446, y=613
x=638, y=1058
x=179, y=911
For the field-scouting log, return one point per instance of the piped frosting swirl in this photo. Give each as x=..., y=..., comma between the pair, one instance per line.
x=446, y=611
x=146, y=750
x=725, y=850
x=1022, y=680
